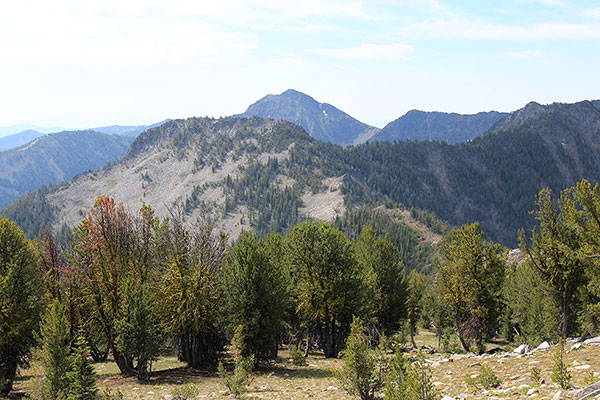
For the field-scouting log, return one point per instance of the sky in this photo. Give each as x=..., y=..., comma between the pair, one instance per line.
x=78, y=64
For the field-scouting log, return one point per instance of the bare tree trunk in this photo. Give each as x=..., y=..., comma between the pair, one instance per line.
x=8, y=370
x=122, y=362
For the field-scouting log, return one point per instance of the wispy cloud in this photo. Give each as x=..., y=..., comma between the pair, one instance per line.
x=525, y=54
x=592, y=13
x=368, y=51
x=480, y=29
x=555, y=3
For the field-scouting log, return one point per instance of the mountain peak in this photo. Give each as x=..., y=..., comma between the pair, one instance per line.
x=320, y=120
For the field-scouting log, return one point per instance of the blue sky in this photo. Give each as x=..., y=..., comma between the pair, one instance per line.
x=79, y=64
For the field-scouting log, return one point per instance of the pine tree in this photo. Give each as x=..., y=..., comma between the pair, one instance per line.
x=81, y=377
x=470, y=277
x=554, y=251
x=255, y=296
x=326, y=285
x=383, y=275
x=419, y=382
x=241, y=378
x=560, y=374
x=417, y=283
x=55, y=351
x=138, y=336
x=362, y=372
x=20, y=301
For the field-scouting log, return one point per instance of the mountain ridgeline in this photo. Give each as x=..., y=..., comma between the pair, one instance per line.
x=19, y=139
x=438, y=126
x=267, y=175
x=54, y=158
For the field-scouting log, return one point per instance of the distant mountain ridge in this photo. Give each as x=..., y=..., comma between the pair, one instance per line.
x=438, y=126
x=127, y=130
x=320, y=120
x=18, y=139
x=55, y=158
x=11, y=130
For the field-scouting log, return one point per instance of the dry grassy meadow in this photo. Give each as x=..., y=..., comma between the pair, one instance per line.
x=317, y=380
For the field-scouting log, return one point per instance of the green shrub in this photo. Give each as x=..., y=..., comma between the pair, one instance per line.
x=54, y=354
x=81, y=378
x=419, y=381
x=298, y=356
x=185, y=392
x=362, y=372
x=237, y=383
x=536, y=375
x=560, y=375
x=450, y=342
x=486, y=379
x=108, y=394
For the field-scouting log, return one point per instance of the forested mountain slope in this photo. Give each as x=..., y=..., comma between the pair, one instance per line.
x=438, y=126
x=55, y=158
x=321, y=120
x=267, y=175
x=494, y=178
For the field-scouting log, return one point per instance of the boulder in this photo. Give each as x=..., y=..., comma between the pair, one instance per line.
x=560, y=395
x=576, y=346
x=543, y=346
x=595, y=341
x=587, y=392
x=522, y=349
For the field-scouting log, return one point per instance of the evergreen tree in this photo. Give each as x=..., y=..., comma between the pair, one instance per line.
x=532, y=305
x=56, y=342
x=138, y=336
x=417, y=284
x=383, y=275
x=554, y=251
x=241, y=378
x=20, y=301
x=327, y=288
x=255, y=296
x=81, y=378
x=470, y=277
x=189, y=294
x=363, y=369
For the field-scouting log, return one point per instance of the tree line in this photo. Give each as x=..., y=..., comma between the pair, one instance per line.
x=136, y=285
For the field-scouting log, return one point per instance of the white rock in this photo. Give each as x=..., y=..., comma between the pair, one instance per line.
x=447, y=398
x=558, y=395
x=331, y=388
x=523, y=387
x=531, y=391
x=582, y=367
x=595, y=341
x=576, y=346
x=522, y=349
x=168, y=397
x=543, y=346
